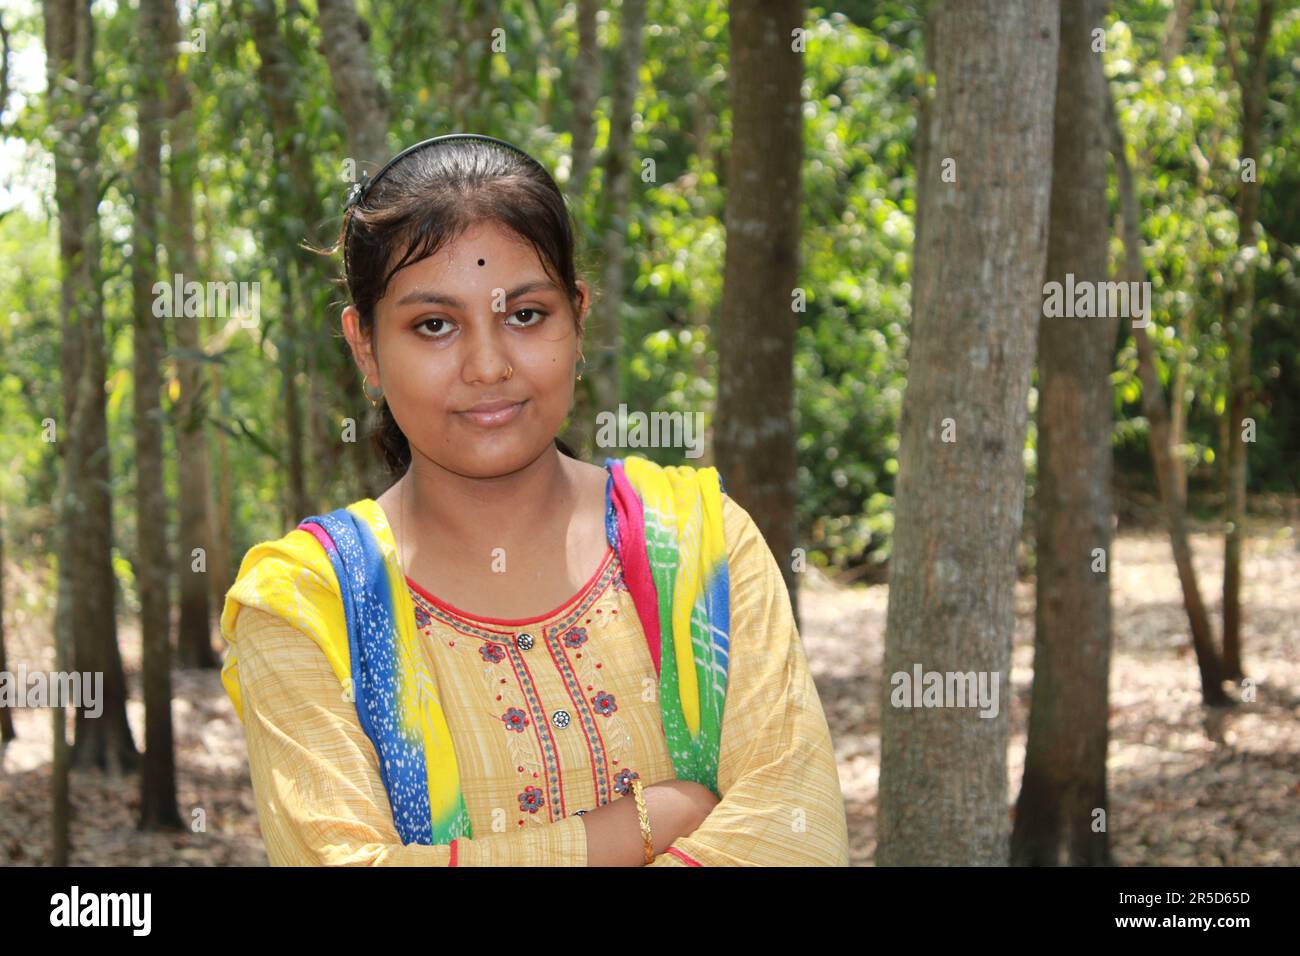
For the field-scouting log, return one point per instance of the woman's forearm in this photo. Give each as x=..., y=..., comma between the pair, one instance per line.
x=614, y=831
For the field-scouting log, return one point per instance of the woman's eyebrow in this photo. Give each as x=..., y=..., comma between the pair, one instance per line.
x=433, y=297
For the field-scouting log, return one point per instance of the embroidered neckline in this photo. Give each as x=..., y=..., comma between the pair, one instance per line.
x=611, y=537
x=515, y=622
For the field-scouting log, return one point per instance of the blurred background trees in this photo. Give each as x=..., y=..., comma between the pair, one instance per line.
x=217, y=140
x=266, y=145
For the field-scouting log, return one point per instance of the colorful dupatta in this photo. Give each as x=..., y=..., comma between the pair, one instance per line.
x=338, y=578
x=674, y=556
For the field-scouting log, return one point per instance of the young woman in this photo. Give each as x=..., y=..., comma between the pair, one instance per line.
x=407, y=696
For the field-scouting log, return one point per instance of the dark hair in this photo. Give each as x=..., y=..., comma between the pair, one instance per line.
x=427, y=198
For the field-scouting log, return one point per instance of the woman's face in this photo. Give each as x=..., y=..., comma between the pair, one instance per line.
x=448, y=332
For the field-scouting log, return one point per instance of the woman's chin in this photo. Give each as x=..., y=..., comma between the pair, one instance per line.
x=475, y=454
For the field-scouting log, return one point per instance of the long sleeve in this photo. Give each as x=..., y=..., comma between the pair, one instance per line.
x=316, y=781
x=781, y=800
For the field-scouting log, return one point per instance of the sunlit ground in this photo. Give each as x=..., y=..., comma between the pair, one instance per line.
x=1183, y=790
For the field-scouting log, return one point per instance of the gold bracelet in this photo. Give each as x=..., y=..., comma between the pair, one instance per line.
x=643, y=815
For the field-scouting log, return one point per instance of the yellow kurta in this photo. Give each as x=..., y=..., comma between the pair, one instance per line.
x=550, y=716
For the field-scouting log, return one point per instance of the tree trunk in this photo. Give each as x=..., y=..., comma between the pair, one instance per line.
x=584, y=91
x=6, y=718
x=220, y=504
x=1239, y=304
x=703, y=316
x=462, y=87
x=298, y=504
x=754, y=427
x=959, y=497
x=1157, y=414
x=1176, y=30
x=1171, y=47
x=194, y=637
x=1064, y=785
x=345, y=45
x=604, y=342
x=538, y=33
x=89, y=587
x=61, y=62
x=1178, y=407
x=222, y=568
x=152, y=569
x=277, y=77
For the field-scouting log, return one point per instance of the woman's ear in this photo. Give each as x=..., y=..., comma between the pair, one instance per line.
x=362, y=346
x=584, y=304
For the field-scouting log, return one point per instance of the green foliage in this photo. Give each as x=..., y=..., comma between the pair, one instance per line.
x=1182, y=122
x=864, y=64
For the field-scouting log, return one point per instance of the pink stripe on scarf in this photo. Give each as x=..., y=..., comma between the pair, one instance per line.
x=635, y=561
x=320, y=534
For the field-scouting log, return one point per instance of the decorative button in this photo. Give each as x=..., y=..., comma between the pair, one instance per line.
x=524, y=642
x=560, y=718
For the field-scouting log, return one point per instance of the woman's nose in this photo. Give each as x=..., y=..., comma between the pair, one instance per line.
x=487, y=356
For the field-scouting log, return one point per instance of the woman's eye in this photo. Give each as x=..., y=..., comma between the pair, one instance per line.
x=536, y=312
x=430, y=335
x=532, y=317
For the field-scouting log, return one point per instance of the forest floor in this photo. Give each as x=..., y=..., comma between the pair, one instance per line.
x=1184, y=788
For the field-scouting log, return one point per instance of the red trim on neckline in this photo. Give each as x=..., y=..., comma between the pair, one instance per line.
x=451, y=609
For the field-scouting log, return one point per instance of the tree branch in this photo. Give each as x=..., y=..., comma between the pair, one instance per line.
x=4, y=66
x=1226, y=9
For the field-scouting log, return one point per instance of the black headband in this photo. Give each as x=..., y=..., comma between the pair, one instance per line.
x=359, y=190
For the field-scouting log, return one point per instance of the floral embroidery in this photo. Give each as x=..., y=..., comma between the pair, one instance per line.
x=611, y=742
x=623, y=781
x=422, y=618
x=534, y=756
x=531, y=800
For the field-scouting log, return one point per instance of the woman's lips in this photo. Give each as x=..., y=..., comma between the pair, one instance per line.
x=496, y=418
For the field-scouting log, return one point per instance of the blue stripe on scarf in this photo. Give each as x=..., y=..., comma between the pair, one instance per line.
x=372, y=642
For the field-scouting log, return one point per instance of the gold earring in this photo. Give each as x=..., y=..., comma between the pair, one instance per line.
x=373, y=396
x=583, y=358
